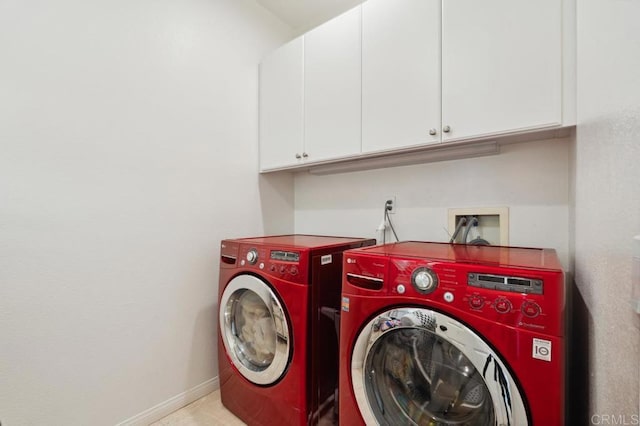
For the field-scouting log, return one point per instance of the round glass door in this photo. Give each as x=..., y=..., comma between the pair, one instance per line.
x=254, y=329
x=418, y=367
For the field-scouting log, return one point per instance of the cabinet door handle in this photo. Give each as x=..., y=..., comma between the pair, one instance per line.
x=305, y=155
x=298, y=156
x=433, y=132
x=446, y=129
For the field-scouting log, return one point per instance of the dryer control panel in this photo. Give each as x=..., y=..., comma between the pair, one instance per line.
x=279, y=262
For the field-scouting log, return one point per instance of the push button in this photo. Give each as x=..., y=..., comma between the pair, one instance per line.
x=531, y=309
x=502, y=305
x=476, y=302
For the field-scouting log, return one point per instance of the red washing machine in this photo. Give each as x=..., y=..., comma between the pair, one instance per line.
x=452, y=334
x=279, y=300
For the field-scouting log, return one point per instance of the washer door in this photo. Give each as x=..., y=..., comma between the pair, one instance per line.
x=415, y=366
x=254, y=329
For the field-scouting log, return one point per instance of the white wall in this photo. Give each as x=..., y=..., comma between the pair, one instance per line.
x=128, y=138
x=302, y=16
x=607, y=199
x=532, y=179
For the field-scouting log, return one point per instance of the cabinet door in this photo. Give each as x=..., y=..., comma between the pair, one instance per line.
x=400, y=73
x=501, y=66
x=332, y=88
x=281, y=106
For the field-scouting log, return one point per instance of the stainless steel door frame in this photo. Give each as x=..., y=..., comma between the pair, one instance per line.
x=477, y=358
x=270, y=328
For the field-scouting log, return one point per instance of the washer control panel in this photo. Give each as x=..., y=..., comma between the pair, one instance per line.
x=284, y=264
x=532, y=299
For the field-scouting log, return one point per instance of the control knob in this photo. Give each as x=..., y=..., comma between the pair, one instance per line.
x=476, y=302
x=502, y=305
x=531, y=309
x=252, y=256
x=424, y=280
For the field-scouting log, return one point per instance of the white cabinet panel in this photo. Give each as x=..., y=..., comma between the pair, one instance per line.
x=332, y=88
x=400, y=73
x=281, y=106
x=501, y=66
x=396, y=75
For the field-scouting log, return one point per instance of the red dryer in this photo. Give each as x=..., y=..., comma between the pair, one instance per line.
x=452, y=334
x=279, y=302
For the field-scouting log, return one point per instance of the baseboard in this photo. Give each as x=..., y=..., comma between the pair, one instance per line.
x=172, y=404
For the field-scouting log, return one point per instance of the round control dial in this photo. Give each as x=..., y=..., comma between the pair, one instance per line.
x=502, y=305
x=531, y=309
x=424, y=280
x=476, y=302
x=252, y=256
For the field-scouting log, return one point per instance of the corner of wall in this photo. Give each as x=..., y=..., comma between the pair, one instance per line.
x=172, y=404
x=572, y=199
x=277, y=202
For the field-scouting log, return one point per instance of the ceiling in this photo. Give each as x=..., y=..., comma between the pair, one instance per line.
x=302, y=15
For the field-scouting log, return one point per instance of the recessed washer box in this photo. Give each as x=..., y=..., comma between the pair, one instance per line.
x=493, y=223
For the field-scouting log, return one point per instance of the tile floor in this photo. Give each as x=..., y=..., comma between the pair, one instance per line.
x=207, y=411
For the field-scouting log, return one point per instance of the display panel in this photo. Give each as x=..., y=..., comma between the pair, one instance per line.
x=506, y=283
x=285, y=256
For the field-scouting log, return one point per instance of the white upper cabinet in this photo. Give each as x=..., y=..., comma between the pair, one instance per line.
x=501, y=66
x=281, y=107
x=332, y=96
x=393, y=76
x=400, y=73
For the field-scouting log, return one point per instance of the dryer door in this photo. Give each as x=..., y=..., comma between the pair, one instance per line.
x=254, y=329
x=419, y=367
